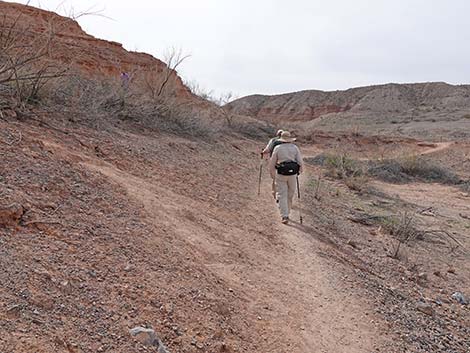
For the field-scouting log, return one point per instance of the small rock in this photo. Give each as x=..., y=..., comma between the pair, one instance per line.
x=144, y=335
x=148, y=337
x=425, y=308
x=460, y=298
x=199, y=345
x=423, y=276
x=352, y=243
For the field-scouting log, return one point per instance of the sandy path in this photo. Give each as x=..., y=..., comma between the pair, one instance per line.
x=438, y=146
x=293, y=291
x=310, y=151
x=296, y=301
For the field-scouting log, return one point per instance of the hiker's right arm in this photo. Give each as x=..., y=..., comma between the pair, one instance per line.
x=272, y=164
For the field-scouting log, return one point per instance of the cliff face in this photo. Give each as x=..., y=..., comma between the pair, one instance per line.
x=384, y=100
x=72, y=47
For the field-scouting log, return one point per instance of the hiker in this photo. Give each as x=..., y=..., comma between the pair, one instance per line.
x=284, y=166
x=268, y=150
x=125, y=78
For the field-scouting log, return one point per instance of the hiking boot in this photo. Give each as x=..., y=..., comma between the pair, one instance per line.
x=285, y=220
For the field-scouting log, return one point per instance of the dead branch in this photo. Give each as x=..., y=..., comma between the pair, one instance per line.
x=427, y=209
x=173, y=59
x=55, y=210
x=446, y=233
x=366, y=219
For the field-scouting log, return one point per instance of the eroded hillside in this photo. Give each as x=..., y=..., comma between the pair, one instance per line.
x=419, y=110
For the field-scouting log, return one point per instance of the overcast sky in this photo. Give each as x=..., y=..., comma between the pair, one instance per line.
x=276, y=46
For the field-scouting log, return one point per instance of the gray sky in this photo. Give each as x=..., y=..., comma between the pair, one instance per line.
x=262, y=46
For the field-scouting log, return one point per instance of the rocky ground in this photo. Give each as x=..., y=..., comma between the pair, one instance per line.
x=104, y=231
x=417, y=291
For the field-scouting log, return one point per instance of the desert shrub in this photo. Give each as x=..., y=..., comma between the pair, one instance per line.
x=184, y=119
x=407, y=169
x=357, y=183
x=403, y=228
x=27, y=61
x=315, y=185
x=252, y=129
x=388, y=170
x=341, y=166
x=319, y=159
x=98, y=100
x=465, y=186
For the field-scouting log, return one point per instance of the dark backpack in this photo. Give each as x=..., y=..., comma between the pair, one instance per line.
x=275, y=143
x=288, y=168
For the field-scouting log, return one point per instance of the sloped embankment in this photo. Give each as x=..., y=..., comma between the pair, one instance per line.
x=123, y=228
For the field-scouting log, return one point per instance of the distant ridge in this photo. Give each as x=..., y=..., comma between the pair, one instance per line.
x=386, y=99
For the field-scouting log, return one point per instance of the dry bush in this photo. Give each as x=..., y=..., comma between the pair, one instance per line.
x=316, y=186
x=341, y=166
x=402, y=228
x=26, y=60
x=157, y=81
x=320, y=159
x=406, y=169
x=251, y=128
x=357, y=183
x=219, y=102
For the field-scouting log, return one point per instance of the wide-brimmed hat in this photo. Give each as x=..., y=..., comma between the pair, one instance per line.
x=286, y=137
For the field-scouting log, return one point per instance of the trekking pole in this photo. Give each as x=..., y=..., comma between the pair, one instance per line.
x=298, y=194
x=260, y=174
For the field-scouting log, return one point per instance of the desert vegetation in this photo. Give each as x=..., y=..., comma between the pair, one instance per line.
x=32, y=75
x=26, y=61
x=356, y=173
x=408, y=210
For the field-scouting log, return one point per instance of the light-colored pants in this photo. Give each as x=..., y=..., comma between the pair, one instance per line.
x=285, y=190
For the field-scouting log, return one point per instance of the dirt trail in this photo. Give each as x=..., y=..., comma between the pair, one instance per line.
x=296, y=297
x=294, y=293
x=439, y=146
x=310, y=151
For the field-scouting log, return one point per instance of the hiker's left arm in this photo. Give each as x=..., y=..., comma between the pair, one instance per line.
x=268, y=147
x=300, y=161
